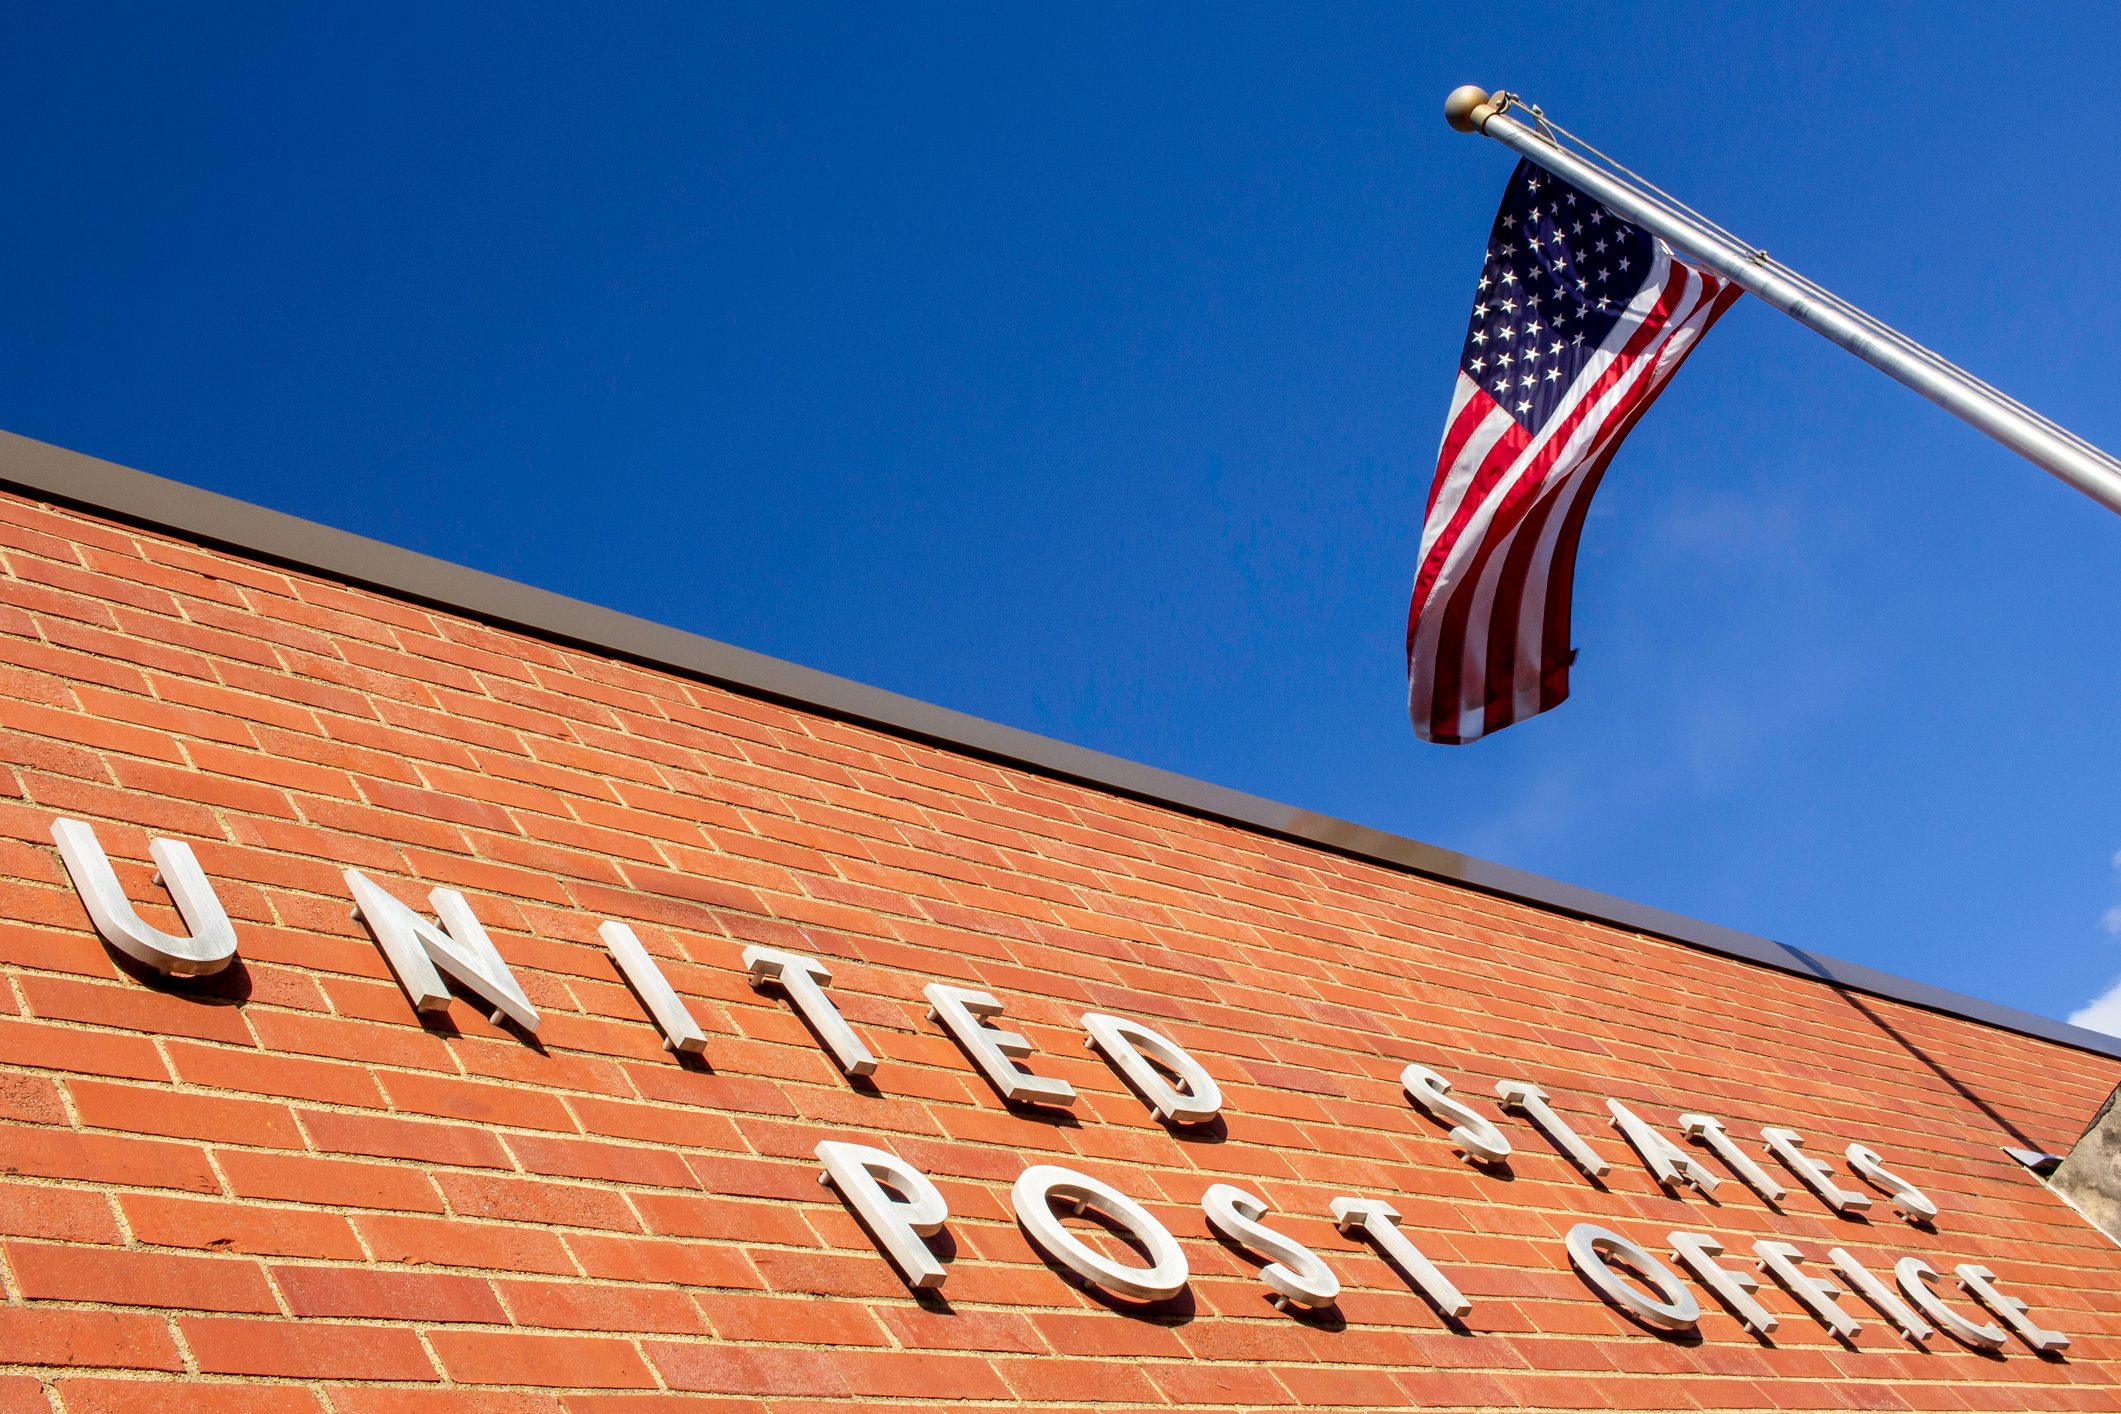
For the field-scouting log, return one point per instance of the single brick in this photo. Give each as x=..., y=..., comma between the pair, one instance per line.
x=451, y=1098
x=573, y=1362
x=304, y=1350
x=611, y=1163
x=22, y=1394
x=712, y=1367
x=105, y=1158
x=131, y=1278
x=353, y=1292
x=116, y=1340
x=224, y=1226
x=320, y=1081
x=742, y=1318
x=336, y=1183
x=165, y=1396
x=87, y=1052
x=535, y=1200
x=32, y=1209
x=387, y=1137
x=601, y=1307
x=651, y=1259
x=146, y=1109
x=380, y=1399
x=460, y=1242
x=30, y=1099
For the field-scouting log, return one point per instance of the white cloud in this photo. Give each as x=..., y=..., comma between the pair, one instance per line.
x=2103, y=1012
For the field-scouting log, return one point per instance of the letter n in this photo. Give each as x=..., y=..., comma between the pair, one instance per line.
x=415, y=948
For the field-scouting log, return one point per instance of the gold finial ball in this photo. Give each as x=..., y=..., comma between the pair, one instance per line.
x=1459, y=108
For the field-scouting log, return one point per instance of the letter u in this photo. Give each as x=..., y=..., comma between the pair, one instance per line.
x=212, y=944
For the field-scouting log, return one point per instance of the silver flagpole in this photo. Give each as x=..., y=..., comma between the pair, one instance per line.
x=2052, y=448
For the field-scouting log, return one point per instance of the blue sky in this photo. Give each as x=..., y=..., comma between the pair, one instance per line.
x=1083, y=368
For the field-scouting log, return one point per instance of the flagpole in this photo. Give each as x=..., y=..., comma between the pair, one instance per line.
x=2052, y=448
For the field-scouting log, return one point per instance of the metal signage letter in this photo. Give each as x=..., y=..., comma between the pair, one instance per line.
x=415, y=947
x=1981, y=1283
x=1476, y=1136
x=1523, y=1097
x=1669, y=1164
x=1296, y=1274
x=680, y=1032
x=212, y=944
x=1591, y=1250
x=1815, y=1294
x=1915, y=1276
x=1913, y=1203
x=1033, y=1195
x=1788, y=1146
x=799, y=976
x=1124, y=1043
x=1378, y=1220
x=1708, y=1130
x=895, y=1201
x=1733, y=1286
x=963, y=1012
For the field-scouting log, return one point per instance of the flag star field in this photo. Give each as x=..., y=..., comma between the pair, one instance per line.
x=1559, y=268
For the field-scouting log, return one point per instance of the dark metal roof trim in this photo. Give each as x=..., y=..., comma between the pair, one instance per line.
x=208, y=517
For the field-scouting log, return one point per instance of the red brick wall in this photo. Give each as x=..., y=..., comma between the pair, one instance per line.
x=277, y=1191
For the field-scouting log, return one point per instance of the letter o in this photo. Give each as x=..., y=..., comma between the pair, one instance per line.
x=1591, y=1249
x=1033, y=1195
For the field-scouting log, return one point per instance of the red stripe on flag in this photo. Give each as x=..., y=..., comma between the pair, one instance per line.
x=1449, y=658
x=1455, y=437
x=1561, y=577
x=1499, y=458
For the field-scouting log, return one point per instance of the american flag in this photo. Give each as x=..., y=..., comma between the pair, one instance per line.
x=1579, y=320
